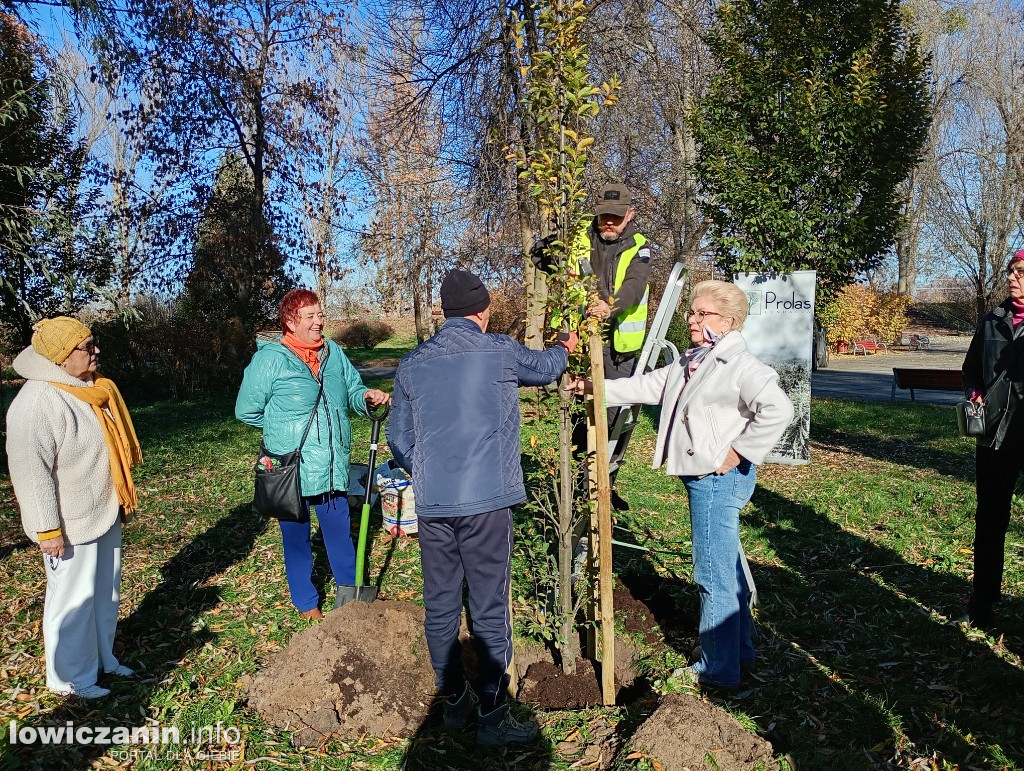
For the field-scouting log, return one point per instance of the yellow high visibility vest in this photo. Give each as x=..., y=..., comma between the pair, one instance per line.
x=628, y=327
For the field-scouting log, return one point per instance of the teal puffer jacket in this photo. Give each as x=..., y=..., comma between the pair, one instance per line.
x=277, y=395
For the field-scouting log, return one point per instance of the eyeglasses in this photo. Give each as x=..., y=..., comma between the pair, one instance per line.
x=700, y=314
x=1017, y=273
x=88, y=347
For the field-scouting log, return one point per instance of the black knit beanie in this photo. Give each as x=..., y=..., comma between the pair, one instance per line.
x=463, y=294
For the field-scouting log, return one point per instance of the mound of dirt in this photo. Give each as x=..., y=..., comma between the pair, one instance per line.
x=636, y=616
x=689, y=733
x=363, y=670
x=547, y=687
x=543, y=685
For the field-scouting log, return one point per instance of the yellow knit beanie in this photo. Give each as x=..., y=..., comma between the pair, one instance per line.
x=55, y=338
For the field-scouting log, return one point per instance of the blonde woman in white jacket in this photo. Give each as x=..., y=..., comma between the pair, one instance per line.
x=722, y=411
x=70, y=448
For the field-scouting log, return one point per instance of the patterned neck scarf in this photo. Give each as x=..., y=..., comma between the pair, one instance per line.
x=695, y=354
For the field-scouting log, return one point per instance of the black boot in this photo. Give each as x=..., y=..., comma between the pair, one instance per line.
x=457, y=711
x=499, y=729
x=979, y=614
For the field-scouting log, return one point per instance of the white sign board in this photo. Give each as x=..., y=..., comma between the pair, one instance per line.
x=779, y=330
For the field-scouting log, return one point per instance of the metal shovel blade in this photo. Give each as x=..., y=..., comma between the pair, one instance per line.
x=366, y=593
x=346, y=594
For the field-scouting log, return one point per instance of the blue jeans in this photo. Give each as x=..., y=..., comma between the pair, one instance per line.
x=332, y=513
x=725, y=627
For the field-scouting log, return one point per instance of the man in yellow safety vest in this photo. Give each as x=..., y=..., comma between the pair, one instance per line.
x=621, y=260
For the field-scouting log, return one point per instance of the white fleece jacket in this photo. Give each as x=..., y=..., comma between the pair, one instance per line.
x=60, y=467
x=732, y=400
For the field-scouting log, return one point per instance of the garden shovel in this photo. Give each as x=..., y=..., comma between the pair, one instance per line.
x=362, y=592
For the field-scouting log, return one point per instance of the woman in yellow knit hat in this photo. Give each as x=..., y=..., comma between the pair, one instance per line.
x=71, y=446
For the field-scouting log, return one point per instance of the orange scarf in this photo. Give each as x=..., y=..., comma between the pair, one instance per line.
x=122, y=443
x=308, y=352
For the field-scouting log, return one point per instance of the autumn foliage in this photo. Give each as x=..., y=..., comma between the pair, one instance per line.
x=859, y=312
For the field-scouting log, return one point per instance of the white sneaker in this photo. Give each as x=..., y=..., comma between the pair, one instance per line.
x=89, y=692
x=121, y=671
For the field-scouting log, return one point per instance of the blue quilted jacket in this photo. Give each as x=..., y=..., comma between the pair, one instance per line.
x=454, y=421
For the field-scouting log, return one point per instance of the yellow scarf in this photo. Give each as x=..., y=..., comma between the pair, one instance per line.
x=122, y=443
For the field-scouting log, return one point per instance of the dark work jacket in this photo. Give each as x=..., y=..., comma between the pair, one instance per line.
x=454, y=421
x=604, y=259
x=994, y=367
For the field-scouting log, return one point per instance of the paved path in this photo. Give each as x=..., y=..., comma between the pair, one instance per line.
x=365, y=371
x=869, y=378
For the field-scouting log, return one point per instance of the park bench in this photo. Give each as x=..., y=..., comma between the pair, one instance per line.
x=868, y=346
x=928, y=379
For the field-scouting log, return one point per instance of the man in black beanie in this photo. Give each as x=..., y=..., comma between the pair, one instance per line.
x=455, y=427
x=463, y=294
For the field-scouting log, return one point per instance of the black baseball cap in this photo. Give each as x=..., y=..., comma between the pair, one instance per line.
x=613, y=198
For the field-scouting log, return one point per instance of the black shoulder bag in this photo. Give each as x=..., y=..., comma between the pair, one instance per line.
x=970, y=417
x=278, y=491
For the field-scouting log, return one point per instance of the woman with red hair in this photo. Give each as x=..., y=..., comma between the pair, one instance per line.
x=278, y=394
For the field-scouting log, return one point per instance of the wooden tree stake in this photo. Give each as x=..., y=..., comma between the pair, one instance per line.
x=591, y=604
x=599, y=417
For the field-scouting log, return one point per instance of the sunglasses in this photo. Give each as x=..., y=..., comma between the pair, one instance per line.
x=88, y=347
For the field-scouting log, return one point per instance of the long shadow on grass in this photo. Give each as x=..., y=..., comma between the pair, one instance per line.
x=160, y=632
x=906, y=450
x=907, y=434
x=857, y=653
x=852, y=655
x=433, y=747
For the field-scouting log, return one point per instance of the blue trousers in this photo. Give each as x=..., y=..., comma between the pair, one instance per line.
x=475, y=548
x=332, y=513
x=725, y=626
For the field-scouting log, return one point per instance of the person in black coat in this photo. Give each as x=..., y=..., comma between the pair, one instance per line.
x=993, y=376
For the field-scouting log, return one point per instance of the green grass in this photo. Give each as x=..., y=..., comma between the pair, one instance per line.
x=387, y=354
x=862, y=559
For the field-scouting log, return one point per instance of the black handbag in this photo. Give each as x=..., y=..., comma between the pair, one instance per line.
x=278, y=490
x=970, y=418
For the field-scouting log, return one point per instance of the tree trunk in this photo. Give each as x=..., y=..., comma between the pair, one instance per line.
x=421, y=312
x=535, y=279
x=906, y=257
